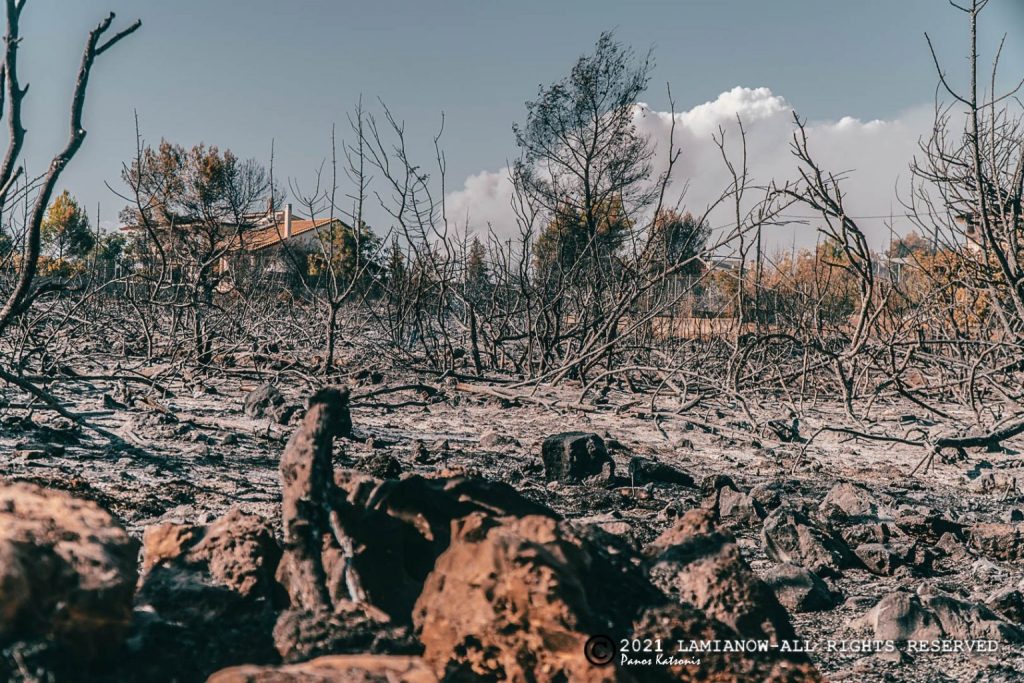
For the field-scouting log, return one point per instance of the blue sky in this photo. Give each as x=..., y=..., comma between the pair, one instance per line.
x=238, y=73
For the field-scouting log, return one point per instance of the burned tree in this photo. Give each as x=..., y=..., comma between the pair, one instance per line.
x=23, y=290
x=189, y=210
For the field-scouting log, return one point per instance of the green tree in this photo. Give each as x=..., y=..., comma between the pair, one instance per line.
x=679, y=239
x=192, y=207
x=108, y=251
x=65, y=230
x=569, y=241
x=346, y=254
x=582, y=156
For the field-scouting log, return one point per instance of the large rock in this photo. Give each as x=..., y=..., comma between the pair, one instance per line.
x=799, y=589
x=998, y=541
x=67, y=575
x=238, y=551
x=903, y=616
x=854, y=501
x=518, y=599
x=265, y=401
x=789, y=536
x=397, y=528
x=336, y=669
x=353, y=539
x=1008, y=602
x=735, y=507
x=210, y=596
x=878, y=558
x=574, y=456
x=929, y=528
x=964, y=620
x=702, y=566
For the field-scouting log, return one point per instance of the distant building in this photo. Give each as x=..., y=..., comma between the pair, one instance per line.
x=276, y=242
x=972, y=224
x=280, y=243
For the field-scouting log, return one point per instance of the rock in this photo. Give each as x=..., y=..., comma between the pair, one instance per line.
x=381, y=465
x=963, y=620
x=492, y=439
x=987, y=570
x=605, y=477
x=735, y=507
x=398, y=528
x=349, y=628
x=999, y=541
x=574, y=456
x=264, y=401
x=1013, y=515
x=853, y=501
x=67, y=575
x=877, y=558
x=238, y=551
x=644, y=471
x=337, y=669
x=713, y=482
x=952, y=547
x=1009, y=602
x=768, y=495
x=267, y=401
x=902, y=616
x=993, y=482
x=350, y=537
x=871, y=532
x=518, y=599
x=212, y=595
x=800, y=590
x=702, y=566
x=914, y=555
x=420, y=453
x=791, y=537
x=927, y=527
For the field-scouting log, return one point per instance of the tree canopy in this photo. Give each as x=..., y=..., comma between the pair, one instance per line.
x=65, y=230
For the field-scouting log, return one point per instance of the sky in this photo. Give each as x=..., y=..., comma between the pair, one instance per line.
x=240, y=74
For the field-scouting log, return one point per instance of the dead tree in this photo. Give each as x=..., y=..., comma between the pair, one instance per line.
x=23, y=292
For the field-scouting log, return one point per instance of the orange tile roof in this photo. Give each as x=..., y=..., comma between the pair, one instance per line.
x=262, y=238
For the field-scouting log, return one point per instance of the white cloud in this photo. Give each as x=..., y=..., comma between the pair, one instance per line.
x=873, y=155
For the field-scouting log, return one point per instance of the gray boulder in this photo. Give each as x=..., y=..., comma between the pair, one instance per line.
x=268, y=402
x=903, y=616
x=790, y=536
x=878, y=558
x=574, y=456
x=800, y=590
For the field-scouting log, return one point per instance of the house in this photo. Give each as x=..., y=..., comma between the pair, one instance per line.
x=275, y=241
x=1009, y=220
x=280, y=243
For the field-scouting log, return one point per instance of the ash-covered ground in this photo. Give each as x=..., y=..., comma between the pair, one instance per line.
x=948, y=542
